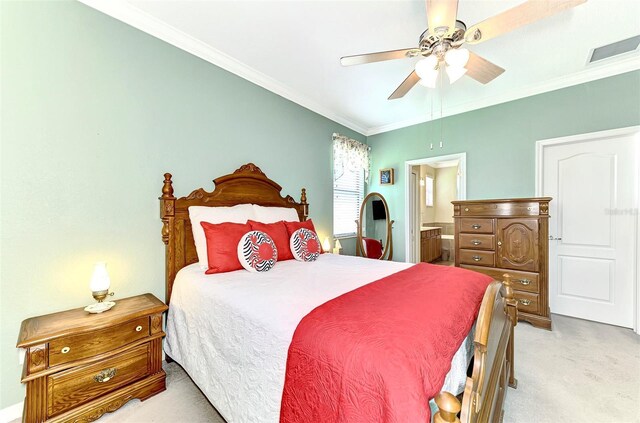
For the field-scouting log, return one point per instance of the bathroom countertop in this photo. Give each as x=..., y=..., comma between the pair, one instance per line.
x=428, y=228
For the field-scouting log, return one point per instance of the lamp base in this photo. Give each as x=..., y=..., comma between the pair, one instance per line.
x=99, y=307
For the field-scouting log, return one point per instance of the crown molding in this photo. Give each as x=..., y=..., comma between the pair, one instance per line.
x=591, y=73
x=135, y=17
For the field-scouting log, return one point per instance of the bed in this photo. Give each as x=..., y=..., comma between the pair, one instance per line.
x=232, y=336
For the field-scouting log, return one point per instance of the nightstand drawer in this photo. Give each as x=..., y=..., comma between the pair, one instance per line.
x=82, y=384
x=76, y=347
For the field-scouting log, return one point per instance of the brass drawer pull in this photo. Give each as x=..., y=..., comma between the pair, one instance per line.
x=524, y=282
x=105, y=375
x=524, y=301
x=466, y=209
x=476, y=242
x=138, y=328
x=65, y=350
x=476, y=258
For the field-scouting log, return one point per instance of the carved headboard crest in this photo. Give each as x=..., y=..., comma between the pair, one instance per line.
x=247, y=185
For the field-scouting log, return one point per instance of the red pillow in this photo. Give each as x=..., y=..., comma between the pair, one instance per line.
x=307, y=224
x=222, y=245
x=278, y=233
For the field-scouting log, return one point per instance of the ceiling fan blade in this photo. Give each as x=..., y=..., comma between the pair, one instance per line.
x=406, y=85
x=481, y=69
x=521, y=15
x=377, y=57
x=442, y=14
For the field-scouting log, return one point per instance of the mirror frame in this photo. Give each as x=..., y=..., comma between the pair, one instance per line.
x=388, y=247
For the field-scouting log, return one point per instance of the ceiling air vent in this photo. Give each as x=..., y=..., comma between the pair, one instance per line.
x=614, y=49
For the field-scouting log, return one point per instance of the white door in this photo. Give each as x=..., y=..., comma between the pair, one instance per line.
x=592, y=226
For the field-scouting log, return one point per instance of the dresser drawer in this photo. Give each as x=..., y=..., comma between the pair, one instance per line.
x=476, y=226
x=478, y=241
x=501, y=209
x=477, y=257
x=70, y=388
x=76, y=347
x=527, y=302
x=522, y=281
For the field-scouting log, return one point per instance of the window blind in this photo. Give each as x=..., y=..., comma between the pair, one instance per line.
x=348, y=193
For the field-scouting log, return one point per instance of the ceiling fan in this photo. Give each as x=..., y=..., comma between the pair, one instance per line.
x=440, y=44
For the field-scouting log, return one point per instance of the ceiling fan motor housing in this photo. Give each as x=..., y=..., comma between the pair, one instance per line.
x=433, y=44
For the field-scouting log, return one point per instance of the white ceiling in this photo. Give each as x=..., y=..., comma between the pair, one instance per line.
x=293, y=49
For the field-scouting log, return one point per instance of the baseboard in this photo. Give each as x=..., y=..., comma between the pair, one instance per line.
x=11, y=413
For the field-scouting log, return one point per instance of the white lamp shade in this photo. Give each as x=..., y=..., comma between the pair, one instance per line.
x=429, y=80
x=326, y=245
x=100, y=279
x=427, y=65
x=455, y=73
x=457, y=57
x=338, y=245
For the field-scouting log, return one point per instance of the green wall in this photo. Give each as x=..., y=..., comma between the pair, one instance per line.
x=93, y=113
x=500, y=140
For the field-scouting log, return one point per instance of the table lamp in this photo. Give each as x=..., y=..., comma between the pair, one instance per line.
x=338, y=247
x=326, y=245
x=99, y=286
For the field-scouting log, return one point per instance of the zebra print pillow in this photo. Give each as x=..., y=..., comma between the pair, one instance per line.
x=257, y=252
x=305, y=245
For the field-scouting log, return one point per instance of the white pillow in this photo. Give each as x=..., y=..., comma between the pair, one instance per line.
x=275, y=214
x=305, y=245
x=257, y=252
x=235, y=214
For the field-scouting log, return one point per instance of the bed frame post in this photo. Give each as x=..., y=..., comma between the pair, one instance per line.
x=167, y=215
x=305, y=205
x=448, y=408
x=512, y=312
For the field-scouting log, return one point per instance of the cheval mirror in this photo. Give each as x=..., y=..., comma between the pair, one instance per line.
x=374, y=229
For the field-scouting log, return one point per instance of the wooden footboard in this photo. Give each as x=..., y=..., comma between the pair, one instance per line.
x=493, y=367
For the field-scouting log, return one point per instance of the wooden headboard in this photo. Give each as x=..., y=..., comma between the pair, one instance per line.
x=247, y=185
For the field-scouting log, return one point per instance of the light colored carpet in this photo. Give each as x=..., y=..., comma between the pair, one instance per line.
x=582, y=372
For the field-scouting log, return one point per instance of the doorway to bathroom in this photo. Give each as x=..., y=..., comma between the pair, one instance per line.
x=431, y=184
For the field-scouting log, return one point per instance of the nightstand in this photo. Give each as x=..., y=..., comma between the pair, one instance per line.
x=79, y=366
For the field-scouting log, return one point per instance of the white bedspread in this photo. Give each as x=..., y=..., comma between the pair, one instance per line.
x=231, y=331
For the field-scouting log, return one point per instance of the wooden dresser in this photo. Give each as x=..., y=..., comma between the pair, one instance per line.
x=79, y=366
x=430, y=244
x=495, y=237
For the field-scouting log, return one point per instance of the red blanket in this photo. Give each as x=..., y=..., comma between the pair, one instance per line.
x=380, y=352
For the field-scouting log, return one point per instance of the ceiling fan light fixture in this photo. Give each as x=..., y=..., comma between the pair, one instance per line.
x=429, y=80
x=426, y=65
x=457, y=57
x=454, y=73
x=427, y=70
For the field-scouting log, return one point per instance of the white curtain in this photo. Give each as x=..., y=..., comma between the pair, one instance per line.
x=350, y=155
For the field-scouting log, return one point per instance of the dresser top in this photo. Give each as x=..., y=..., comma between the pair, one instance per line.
x=506, y=200
x=37, y=330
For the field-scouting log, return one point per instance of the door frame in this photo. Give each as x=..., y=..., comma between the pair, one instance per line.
x=462, y=192
x=611, y=133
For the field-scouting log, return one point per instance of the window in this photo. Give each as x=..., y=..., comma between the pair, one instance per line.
x=351, y=167
x=429, y=191
x=348, y=193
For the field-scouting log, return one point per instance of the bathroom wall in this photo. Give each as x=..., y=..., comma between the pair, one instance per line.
x=427, y=214
x=445, y=192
